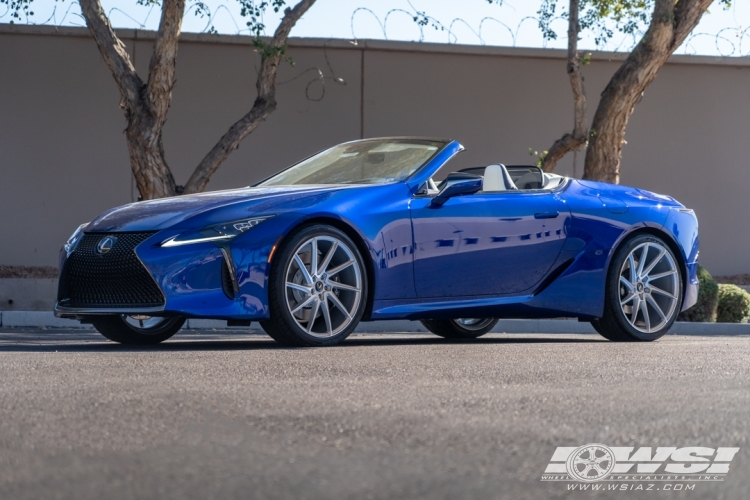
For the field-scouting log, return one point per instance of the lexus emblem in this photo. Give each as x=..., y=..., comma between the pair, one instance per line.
x=105, y=245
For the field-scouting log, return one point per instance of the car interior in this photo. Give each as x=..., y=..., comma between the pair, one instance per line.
x=498, y=178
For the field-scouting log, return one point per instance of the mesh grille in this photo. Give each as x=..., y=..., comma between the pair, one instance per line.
x=115, y=279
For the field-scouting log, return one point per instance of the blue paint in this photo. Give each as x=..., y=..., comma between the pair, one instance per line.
x=477, y=255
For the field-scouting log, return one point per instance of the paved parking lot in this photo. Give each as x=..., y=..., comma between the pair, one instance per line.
x=228, y=415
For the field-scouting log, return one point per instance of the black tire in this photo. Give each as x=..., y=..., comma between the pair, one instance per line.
x=117, y=329
x=282, y=325
x=453, y=329
x=614, y=325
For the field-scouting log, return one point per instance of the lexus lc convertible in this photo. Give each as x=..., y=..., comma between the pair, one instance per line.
x=363, y=232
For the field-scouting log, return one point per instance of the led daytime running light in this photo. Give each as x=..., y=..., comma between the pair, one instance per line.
x=218, y=232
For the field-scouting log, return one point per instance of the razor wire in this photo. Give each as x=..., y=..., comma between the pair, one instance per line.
x=198, y=7
x=724, y=45
x=730, y=41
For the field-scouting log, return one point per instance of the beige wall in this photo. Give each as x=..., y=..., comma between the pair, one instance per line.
x=63, y=157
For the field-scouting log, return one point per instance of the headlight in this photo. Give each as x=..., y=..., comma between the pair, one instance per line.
x=218, y=232
x=72, y=242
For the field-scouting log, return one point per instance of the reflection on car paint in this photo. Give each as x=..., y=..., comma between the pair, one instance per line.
x=480, y=255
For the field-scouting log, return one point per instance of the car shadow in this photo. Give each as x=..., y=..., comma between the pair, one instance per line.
x=34, y=340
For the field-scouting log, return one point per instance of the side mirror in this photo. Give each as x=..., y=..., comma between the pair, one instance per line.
x=457, y=185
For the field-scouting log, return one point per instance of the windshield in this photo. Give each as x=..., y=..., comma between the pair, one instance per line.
x=375, y=161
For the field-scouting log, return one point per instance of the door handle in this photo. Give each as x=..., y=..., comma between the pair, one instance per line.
x=546, y=215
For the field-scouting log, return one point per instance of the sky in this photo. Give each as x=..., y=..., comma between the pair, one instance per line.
x=721, y=31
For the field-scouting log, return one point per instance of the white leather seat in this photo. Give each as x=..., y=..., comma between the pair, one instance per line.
x=496, y=178
x=493, y=179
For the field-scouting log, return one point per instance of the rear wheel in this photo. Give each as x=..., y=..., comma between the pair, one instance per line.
x=643, y=292
x=461, y=328
x=317, y=289
x=137, y=329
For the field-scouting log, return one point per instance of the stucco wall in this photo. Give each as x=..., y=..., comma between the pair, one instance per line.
x=63, y=156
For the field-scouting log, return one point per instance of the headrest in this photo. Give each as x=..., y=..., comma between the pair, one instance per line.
x=496, y=178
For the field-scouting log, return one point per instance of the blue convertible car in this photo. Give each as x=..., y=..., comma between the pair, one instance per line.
x=362, y=232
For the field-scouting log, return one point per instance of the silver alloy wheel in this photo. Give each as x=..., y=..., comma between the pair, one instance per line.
x=143, y=322
x=473, y=324
x=323, y=286
x=649, y=287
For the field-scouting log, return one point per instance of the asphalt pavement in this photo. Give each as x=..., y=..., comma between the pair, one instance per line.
x=223, y=414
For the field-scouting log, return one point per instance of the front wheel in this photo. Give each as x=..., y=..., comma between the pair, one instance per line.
x=643, y=292
x=461, y=328
x=317, y=289
x=137, y=329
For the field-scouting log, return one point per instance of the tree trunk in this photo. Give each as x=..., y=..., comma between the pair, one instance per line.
x=152, y=174
x=671, y=22
x=145, y=105
x=577, y=138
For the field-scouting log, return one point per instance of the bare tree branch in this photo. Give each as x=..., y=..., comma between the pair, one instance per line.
x=265, y=102
x=575, y=140
x=113, y=51
x=687, y=15
x=559, y=149
x=145, y=105
x=161, y=70
x=671, y=23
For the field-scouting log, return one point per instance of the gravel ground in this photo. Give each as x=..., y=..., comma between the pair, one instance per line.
x=218, y=414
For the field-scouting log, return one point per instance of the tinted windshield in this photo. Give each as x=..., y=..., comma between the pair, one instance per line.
x=377, y=161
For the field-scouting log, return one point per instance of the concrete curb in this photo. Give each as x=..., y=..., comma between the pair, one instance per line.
x=35, y=318
x=710, y=329
x=31, y=319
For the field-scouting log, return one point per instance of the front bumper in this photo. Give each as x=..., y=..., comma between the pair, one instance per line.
x=682, y=225
x=691, y=287
x=190, y=278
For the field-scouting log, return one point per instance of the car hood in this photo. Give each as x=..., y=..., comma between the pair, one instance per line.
x=154, y=215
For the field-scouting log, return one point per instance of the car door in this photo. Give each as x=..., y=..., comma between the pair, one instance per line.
x=486, y=243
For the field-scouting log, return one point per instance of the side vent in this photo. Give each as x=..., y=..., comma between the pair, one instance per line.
x=553, y=276
x=228, y=276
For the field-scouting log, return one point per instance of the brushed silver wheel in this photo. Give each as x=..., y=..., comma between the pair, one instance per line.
x=649, y=287
x=323, y=286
